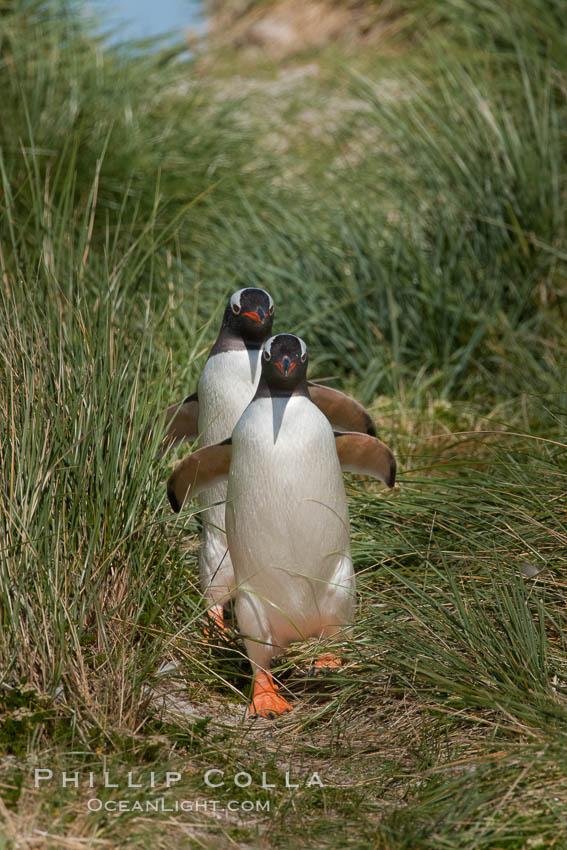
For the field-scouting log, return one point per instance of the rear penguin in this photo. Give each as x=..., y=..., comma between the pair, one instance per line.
x=227, y=384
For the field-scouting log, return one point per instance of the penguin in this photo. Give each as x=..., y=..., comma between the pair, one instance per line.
x=226, y=386
x=227, y=383
x=287, y=521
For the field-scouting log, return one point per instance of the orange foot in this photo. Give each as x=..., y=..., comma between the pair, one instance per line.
x=215, y=622
x=324, y=663
x=266, y=702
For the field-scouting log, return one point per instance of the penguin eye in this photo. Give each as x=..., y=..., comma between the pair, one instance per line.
x=236, y=308
x=304, y=357
x=271, y=310
x=267, y=355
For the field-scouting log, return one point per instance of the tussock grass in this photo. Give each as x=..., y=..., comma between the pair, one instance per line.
x=437, y=242
x=422, y=258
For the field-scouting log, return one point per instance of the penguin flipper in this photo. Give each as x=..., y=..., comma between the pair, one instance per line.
x=200, y=470
x=366, y=455
x=181, y=421
x=341, y=410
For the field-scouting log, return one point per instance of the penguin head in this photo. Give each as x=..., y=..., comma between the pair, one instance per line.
x=249, y=314
x=284, y=362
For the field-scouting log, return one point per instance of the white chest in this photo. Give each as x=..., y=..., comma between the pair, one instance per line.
x=285, y=489
x=227, y=384
x=284, y=434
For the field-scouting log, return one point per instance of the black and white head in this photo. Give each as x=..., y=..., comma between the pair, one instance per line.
x=284, y=362
x=249, y=315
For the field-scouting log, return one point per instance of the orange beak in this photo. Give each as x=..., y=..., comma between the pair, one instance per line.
x=286, y=366
x=256, y=317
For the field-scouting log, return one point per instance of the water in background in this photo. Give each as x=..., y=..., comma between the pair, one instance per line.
x=126, y=20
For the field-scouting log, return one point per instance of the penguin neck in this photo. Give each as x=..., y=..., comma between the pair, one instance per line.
x=264, y=390
x=228, y=340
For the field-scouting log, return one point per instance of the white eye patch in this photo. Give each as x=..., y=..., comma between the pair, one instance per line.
x=235, y=300
x=268, y=347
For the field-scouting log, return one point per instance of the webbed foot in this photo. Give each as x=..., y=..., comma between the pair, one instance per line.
x=266, y=702
x=324, y=664
x=215, y=622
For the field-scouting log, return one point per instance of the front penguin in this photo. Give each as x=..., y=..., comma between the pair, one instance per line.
x=286, y=514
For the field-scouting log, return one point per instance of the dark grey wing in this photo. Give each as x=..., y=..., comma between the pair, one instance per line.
x=341, y=410
x=366, y=455
x=181, y=421
x=200, y=470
